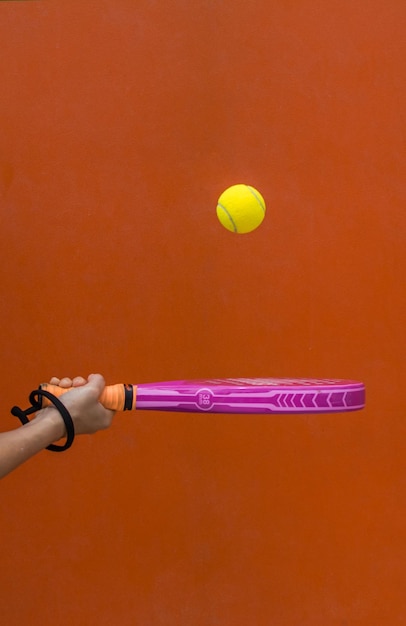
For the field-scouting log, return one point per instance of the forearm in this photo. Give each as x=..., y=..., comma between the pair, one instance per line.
x=19, y=445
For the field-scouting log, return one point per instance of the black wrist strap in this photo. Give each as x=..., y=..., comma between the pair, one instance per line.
x=36, y=405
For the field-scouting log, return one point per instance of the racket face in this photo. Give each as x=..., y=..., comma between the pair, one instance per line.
x=253, y=395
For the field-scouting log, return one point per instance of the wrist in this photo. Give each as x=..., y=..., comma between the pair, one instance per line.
x=52, y=423
x=47, y=421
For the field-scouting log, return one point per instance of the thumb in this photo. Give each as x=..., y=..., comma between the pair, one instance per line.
x=97, y=382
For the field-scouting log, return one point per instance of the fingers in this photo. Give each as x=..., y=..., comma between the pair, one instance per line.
x=78, y=381
x=66, y=382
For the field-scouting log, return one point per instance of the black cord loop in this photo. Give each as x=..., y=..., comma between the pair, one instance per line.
x=36, y=405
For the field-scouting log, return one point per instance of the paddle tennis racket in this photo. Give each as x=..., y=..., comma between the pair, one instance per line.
x=234, y=395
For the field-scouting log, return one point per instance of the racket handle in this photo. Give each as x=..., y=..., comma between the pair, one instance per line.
x=115, y=397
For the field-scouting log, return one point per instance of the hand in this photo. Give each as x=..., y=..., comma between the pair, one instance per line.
x=82, y=402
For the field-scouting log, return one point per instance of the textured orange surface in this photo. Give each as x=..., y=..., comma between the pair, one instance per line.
x=121, y=124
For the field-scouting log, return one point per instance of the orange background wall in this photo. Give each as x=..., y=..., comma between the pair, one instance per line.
x=121, y=124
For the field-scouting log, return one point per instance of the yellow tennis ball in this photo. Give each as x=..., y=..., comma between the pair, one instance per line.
x=241, y=209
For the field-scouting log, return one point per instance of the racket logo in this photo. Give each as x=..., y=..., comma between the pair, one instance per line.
x=204, y=399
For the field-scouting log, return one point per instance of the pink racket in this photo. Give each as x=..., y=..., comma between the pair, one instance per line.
x=235, y=395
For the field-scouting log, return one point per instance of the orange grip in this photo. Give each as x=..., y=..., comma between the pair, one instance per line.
x=113, y=396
